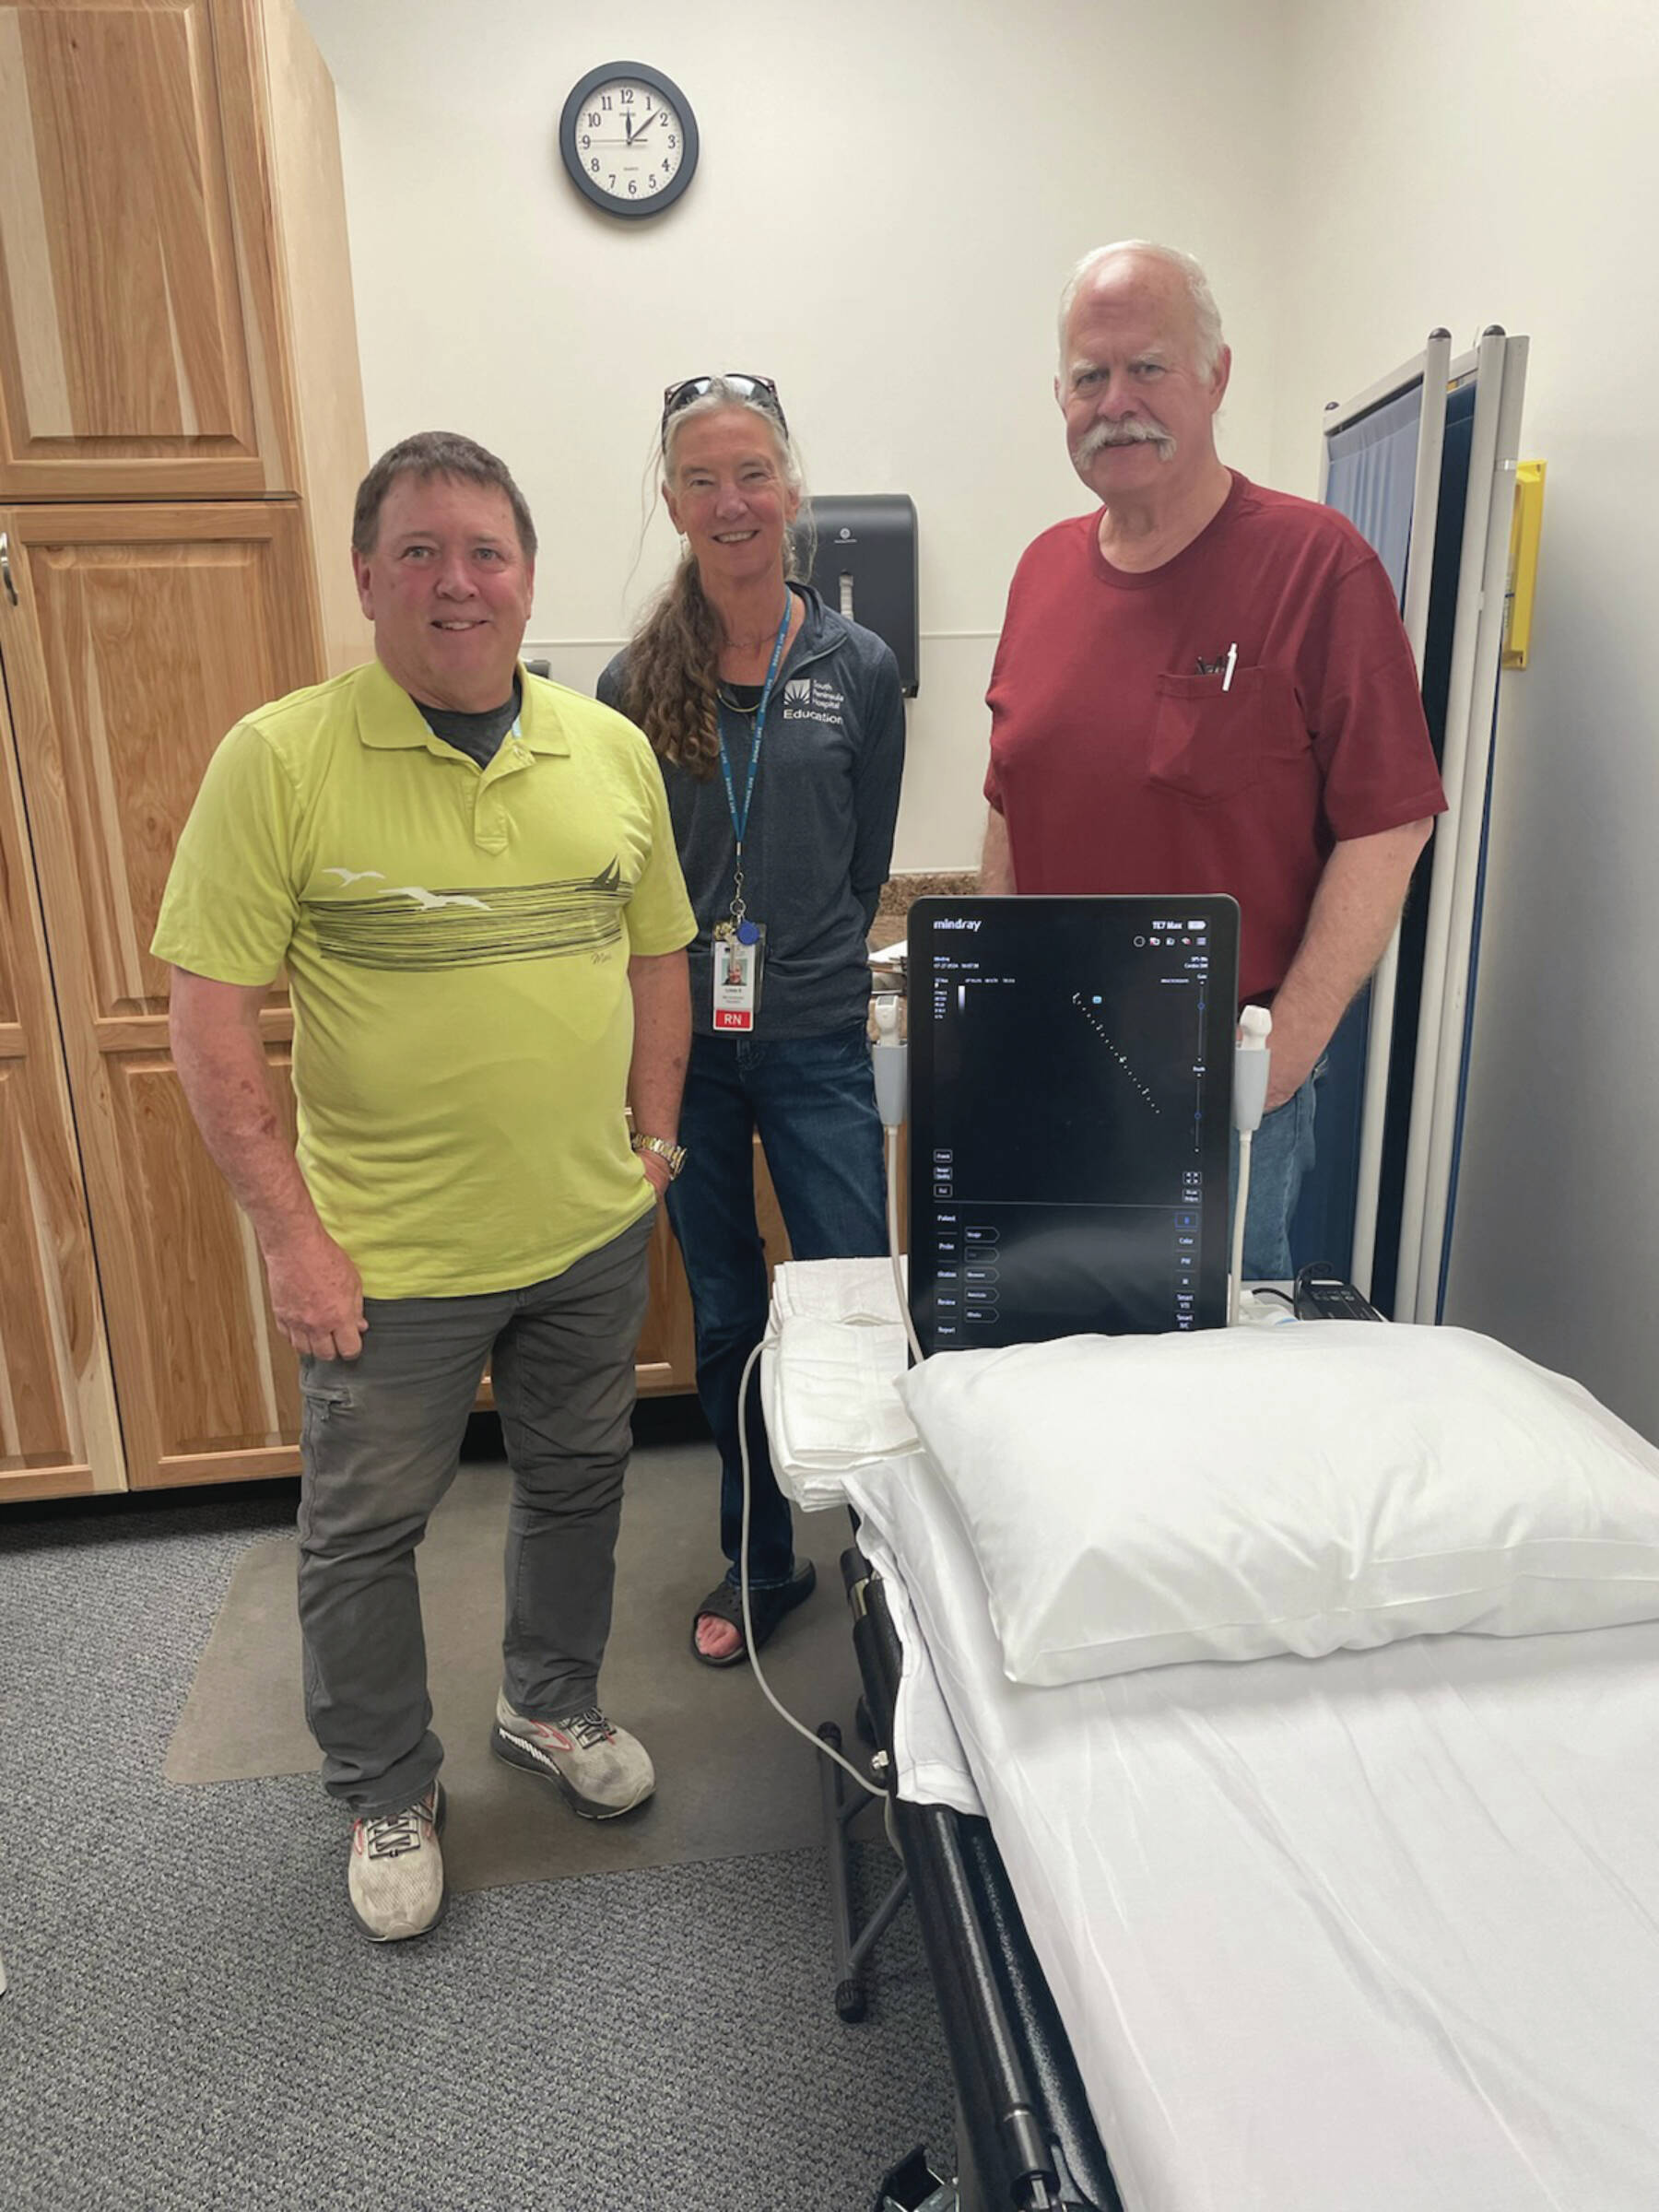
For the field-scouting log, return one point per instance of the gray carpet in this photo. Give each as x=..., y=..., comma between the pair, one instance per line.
x=731, y=1779
x=194, y=2026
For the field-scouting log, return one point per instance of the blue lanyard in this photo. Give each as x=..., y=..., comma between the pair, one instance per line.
x=740, y=821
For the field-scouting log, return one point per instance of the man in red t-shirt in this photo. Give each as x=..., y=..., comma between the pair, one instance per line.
x=1205, y=687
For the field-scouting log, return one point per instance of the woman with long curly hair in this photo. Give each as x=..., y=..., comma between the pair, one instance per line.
x=780, y=727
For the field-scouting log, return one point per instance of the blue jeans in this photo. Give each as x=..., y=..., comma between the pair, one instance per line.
x=1281, y=1153
x=812, y=1100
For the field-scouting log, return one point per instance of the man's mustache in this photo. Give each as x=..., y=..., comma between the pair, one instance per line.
x=1133, y=432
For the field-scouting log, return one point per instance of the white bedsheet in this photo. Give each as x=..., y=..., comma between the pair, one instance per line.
x=1374, y=1933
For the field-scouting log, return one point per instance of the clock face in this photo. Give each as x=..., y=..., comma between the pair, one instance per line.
x=628, y=139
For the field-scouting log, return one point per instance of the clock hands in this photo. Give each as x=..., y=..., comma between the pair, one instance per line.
x=630, y=136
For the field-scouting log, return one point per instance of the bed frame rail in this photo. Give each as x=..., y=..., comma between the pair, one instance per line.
x=1026, y=2140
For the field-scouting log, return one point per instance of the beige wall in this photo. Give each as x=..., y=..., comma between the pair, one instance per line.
x=882, y=218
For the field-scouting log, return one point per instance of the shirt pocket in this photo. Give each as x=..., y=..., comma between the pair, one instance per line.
x=1208, y=744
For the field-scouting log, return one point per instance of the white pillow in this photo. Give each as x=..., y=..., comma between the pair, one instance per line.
x=1137, y=1500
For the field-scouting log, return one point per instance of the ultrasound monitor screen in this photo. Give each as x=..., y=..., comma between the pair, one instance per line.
x=1071, y=1103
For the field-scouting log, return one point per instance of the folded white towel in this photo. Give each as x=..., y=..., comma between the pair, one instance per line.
x=827, y=1387
x=836, y=1399
x=835, y=1289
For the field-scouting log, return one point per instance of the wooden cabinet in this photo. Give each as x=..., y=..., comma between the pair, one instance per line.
x=58, y=1431
x=176, y=319
x=140, y=348
x=141, y=633
x=181, y=439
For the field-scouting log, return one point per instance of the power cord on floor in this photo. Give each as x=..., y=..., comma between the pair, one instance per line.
x=818, y=1744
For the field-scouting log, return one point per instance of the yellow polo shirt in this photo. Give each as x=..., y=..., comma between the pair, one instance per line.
x=456, y=942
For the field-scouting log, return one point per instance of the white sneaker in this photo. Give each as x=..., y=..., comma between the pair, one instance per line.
x=397, y=1883
x=599, y=1768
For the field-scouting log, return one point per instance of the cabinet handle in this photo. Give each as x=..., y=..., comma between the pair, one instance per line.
x=5, y=575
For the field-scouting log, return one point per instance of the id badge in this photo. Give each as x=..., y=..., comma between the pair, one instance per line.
x=739, y=950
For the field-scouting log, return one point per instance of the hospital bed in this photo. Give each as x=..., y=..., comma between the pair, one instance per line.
x=1372, y=1932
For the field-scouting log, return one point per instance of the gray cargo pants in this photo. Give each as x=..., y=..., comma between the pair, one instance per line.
x=381, y=1443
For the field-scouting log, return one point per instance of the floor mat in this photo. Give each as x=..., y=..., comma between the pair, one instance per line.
x=731, y=1778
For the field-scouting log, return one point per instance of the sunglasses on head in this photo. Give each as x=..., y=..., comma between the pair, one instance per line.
x=760, y=389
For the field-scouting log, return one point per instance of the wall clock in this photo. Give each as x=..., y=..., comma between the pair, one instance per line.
x=628, y=139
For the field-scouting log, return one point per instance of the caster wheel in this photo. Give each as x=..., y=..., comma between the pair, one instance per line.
x=850, y=2001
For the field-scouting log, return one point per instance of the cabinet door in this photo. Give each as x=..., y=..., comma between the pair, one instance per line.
x=667, y=1358
x=58, y=1433
x=139, y=353
x=141, y=634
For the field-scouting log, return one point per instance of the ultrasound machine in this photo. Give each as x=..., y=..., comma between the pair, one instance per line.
x=1071, y=1110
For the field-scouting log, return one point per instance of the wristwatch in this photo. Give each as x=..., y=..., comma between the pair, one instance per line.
x=674, y=1154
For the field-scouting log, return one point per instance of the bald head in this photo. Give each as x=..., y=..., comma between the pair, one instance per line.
x=1166, y=270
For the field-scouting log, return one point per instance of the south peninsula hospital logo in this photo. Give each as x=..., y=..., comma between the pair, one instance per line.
x=806, y=700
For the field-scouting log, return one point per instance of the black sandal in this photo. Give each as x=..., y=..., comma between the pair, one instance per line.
x=767, y=1608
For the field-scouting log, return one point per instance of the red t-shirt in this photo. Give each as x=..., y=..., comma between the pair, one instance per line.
x=1119, y=762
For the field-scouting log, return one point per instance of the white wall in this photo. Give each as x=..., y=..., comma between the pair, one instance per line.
x=1497, y=161
x=888, y=198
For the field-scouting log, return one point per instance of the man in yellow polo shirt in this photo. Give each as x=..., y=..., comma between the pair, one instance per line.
x=470, y=879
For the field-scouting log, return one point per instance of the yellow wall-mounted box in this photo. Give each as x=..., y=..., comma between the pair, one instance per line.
x=1524, y=526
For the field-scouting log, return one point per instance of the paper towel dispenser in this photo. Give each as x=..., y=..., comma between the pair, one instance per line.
x=865, y=565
